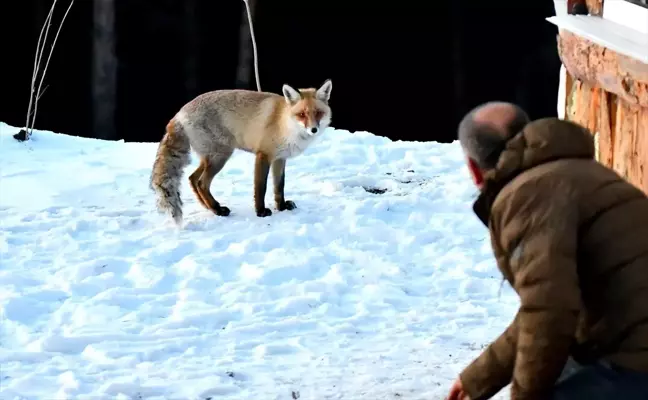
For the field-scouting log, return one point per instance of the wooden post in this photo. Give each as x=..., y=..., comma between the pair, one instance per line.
x=104, y=70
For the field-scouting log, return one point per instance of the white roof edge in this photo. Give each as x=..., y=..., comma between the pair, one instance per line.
x=606, y=33
x=627, y=14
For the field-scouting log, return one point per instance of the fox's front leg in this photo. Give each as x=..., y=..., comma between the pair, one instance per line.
x=279, y=179
x=261, y=169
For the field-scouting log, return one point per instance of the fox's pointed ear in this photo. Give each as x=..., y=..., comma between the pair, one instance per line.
x=324, y=92
x=292, y=96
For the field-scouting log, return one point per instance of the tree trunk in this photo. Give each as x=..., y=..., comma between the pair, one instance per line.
x=456, y=31
x=104, y=70
x=245, y=66
x=191, y=49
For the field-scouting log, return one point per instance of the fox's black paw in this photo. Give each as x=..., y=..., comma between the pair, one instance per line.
x=265, y=212
x=286, y=205
x=222, y=211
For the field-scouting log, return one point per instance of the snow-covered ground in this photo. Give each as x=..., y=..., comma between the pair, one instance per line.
x=353, y=295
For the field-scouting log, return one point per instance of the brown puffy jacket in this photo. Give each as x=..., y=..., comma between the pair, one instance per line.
x=571, y=237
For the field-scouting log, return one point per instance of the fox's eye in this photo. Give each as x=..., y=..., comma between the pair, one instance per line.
x=319, y=114
x=301, y=115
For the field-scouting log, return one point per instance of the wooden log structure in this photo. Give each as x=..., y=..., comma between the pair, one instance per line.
x=607, y=92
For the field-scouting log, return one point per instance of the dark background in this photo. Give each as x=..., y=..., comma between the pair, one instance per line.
x=407, y=70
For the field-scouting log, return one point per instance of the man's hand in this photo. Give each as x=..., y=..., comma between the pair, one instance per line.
x=457, y=392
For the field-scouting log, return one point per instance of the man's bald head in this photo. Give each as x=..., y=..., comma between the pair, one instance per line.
x=484, y=131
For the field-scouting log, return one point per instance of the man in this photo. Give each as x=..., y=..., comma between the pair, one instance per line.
x=571, y=237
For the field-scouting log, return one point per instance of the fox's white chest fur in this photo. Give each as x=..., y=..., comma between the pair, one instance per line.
x=294, y=144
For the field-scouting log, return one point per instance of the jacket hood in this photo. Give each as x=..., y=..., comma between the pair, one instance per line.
x=540, y=141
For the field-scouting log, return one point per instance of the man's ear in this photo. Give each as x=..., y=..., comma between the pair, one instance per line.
x=476, y=173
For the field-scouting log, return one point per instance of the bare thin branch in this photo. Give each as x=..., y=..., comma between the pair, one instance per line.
x=254, y=47
x=38, y=98
x=37, y=59
x=40, y=85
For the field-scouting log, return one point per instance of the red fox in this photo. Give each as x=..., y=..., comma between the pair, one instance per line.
x=273, y=127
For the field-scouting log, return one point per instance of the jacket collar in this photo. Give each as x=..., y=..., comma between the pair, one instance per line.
x=541, y=141
x=484, y=202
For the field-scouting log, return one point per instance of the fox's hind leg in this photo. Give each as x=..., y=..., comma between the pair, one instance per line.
x=212, y=165
x=193, y=182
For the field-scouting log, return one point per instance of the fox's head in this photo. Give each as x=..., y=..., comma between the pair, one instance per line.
x=309, y=108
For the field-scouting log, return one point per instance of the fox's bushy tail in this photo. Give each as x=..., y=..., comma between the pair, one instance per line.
x=173, y=155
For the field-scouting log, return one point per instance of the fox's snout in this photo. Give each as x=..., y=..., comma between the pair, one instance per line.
x=313, y=130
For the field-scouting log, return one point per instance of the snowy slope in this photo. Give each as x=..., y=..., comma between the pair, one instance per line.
x=353, y=295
